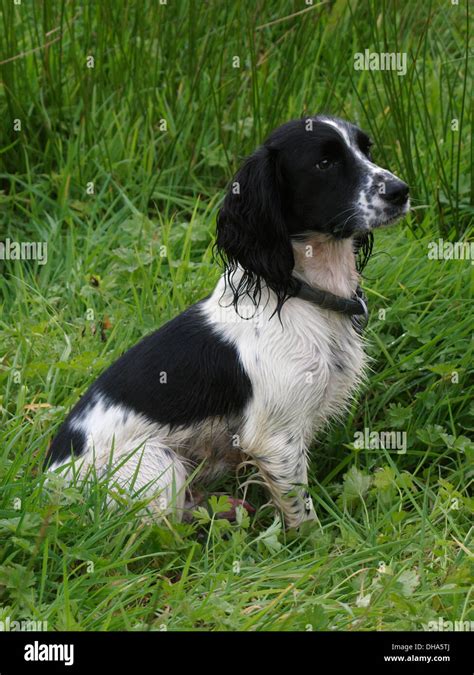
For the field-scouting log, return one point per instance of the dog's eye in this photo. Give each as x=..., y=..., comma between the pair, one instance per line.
x=366, y=149
x=325, y=164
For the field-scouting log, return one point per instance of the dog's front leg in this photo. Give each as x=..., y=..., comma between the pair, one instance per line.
x=283, y=466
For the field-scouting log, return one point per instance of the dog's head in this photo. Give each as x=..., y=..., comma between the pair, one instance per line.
x=310, y=175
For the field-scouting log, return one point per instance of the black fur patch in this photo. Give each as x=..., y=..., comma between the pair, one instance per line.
x=182, y=374
x=67, y=442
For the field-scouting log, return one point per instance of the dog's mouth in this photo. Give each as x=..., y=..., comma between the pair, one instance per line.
x=390, y=215
x=361, y=220
x=372, y=219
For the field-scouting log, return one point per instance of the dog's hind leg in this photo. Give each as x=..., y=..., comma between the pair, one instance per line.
x=152, y=472
x=147, y=470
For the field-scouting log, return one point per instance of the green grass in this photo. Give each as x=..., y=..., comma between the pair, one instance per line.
x=392, y=548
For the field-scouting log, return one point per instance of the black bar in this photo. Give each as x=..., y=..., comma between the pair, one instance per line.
x=151, y=652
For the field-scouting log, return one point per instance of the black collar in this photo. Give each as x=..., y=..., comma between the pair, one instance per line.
x=353, y=307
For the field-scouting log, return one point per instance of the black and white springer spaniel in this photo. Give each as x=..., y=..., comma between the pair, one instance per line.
x=253, y=371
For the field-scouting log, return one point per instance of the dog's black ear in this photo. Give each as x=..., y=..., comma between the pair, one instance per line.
x=251, y=229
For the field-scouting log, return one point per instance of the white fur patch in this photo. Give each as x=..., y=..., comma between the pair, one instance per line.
x=304, y=369
x=339, y=128
x=369, y=203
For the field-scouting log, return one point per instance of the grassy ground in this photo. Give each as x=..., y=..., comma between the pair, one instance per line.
x=392, y=549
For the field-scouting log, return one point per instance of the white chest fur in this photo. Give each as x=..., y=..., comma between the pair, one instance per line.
x=305, y=365
x=303, y=368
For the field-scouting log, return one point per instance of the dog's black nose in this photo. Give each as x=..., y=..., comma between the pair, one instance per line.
x=396, y=192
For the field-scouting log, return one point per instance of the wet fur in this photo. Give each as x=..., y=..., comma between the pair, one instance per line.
x=250, y=373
